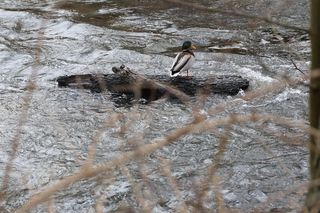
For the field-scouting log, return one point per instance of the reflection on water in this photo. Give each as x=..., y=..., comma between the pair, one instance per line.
x=92, y=37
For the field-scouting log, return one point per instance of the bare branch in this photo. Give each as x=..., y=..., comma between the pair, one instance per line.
x=158, y=143
x=295, y=66
x=31, y=86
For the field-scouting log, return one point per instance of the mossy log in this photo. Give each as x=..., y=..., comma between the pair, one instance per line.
x=152, y=87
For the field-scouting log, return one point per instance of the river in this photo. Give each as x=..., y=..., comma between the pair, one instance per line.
x=263, y=166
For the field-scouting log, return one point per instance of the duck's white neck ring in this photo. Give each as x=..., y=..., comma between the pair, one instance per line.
x=189, y=51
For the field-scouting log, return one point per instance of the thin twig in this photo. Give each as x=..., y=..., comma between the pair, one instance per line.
x=166, y=169
x=51, y=205
x=156, y=144
x=297, y=68
x=27, y=98
x=109, y=123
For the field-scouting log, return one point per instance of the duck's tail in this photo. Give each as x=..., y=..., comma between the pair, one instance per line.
x=174, y=73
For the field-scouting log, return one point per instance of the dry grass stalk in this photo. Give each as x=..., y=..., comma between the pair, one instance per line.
x=213, y=179
x=136, y=189
x=135, y=141
x=258, y=93
x=51, y=205
x=281, y=164
x=200, y=124
x=150, y=148
x=27, y=98
x=155, y=145
x=166, y=169
x=109, y=123
x=99, y=205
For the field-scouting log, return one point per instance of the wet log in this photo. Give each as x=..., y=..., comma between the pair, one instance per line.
x=152, y=87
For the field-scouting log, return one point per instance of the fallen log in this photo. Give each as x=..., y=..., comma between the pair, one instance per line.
x=152, y=87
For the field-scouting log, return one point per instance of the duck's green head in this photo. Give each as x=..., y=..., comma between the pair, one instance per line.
x=188, y=45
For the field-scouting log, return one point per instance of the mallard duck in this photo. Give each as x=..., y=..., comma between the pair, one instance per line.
x=184, y=60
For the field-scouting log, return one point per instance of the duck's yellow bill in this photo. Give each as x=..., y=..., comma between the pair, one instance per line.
x=193, y=47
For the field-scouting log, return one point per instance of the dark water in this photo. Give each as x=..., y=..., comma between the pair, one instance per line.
x=263, y=160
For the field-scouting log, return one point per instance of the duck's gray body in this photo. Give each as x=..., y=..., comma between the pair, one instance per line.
x=183, y=62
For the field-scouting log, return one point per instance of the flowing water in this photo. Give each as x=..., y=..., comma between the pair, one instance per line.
x=264, y=163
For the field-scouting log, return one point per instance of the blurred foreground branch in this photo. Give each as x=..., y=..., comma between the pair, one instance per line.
x=140, y=152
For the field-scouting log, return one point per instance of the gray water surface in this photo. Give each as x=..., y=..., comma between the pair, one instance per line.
x=263, y=161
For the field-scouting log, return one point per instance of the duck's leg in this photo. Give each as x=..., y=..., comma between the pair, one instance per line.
x=187, y=73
